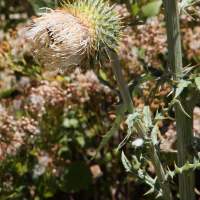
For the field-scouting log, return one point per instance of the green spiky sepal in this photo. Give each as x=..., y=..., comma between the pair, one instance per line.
x=105, y=21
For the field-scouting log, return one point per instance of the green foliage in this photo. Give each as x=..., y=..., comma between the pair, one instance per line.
x=37, y=4
x=147, y=117
x=115, y=127
x=143, y=176
x=77, y=177
x=129, y=121
x=197, y=81
x=152, y=8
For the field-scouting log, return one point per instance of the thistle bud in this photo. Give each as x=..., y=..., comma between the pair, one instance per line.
x=74, y=35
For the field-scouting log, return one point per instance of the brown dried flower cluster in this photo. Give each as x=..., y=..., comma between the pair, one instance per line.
x=191, y=42
x=44, y=96
x=150, y=39
x=122, y=10
x=48, y=95
x=196, y=119
x=16, y=44
x=170, y=134
x=14, y=134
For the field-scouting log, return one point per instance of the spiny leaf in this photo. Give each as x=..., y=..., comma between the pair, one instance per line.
x=156, y=182
x=182, y=84
x=152, y=190
x=151, y=74
x=159, y=195
x=120, y=109
x=130, y=120
x=133, y=24
x=187, y=69
x=142, y=175
x=106, y=83
x=126, y=163
x=160, y=116
x=177, y=170
x=117, y=123
x=133, y=118
x=172, y=91
x=125, y=140
x=152, y=70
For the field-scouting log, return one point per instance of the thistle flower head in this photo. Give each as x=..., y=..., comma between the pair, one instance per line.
x=70, y=36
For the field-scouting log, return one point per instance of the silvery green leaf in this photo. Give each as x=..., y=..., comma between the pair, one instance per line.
x=141, y=174
x=154, y=134
x=147, y=116
x=125, y=140
x=129, y=121
x=152, y=8
x=133, y=118
x=197, y=81
x=126, y=163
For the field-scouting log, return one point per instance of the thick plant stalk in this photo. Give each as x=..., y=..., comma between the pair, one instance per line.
x=184, y=124
x=140, y=126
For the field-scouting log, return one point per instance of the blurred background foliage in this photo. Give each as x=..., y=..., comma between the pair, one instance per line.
x=51, y=124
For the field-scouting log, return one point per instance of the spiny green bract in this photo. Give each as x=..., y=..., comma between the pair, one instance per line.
x=104, y=19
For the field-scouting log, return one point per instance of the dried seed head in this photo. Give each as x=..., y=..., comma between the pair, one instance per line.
x=67, y=37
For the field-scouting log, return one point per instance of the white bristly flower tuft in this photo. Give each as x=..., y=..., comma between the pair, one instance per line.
x=69, y=36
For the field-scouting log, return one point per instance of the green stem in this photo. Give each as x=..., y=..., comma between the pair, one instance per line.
x=140, y=126
x=184, y=124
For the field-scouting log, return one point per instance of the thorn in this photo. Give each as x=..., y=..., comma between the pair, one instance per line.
x=186, y=66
